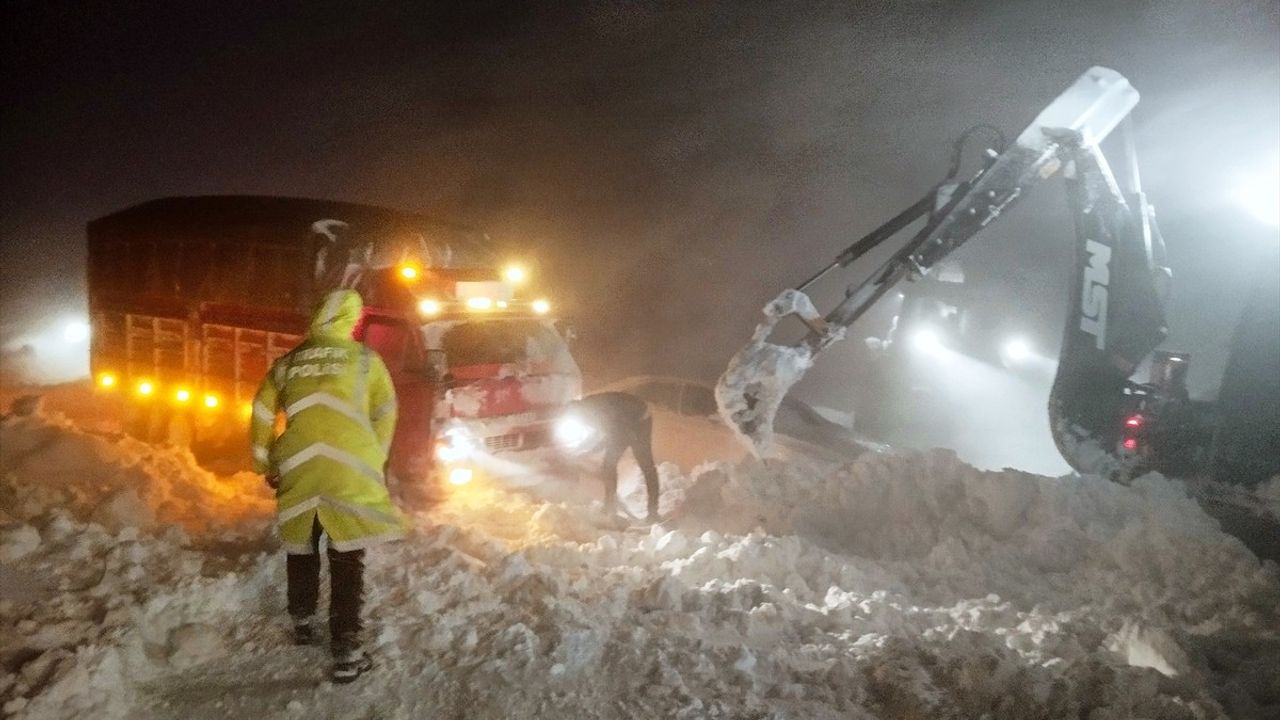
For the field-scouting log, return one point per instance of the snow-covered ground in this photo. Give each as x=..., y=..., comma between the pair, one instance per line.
x=135, y=584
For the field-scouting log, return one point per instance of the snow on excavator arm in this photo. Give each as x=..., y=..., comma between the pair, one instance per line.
x=1103, y=340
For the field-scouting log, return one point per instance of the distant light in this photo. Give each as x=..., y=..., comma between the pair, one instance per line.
x=1133, y=421
x=1017, y=350
x=1259, y=193
x=75, y=332
x=514, y=274
x=926, y=340
x=479, y=303
x=541, y=307
x=408, y=272
x=1130, y=443
x=182, y=395
x=460, y=476
x=211, y=401
x=502, y=304
x=146, y=387
x=107, y=380
x=429, y=307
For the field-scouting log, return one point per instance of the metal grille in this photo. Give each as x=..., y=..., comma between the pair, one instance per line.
x=498, y=443
x=526, y=440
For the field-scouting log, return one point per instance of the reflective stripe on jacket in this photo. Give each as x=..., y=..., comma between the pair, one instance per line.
x=340, y=413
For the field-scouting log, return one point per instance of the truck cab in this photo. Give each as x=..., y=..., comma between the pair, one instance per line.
x=479, y=373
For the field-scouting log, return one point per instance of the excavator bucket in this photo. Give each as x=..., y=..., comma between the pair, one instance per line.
x=759, y=376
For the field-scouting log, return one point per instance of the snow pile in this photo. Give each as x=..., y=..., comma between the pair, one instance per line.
x=1268, y=494
x=892, y=587
x=47, y=463
x=118, y=559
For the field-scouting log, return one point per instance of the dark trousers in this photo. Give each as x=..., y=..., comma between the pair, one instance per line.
x=640, y=439
x=346, y=589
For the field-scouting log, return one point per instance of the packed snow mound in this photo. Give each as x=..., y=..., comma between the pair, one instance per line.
x=891, y=587
x=1268, y=494
x=118, y=560
x=942, y=529
x=48, y=463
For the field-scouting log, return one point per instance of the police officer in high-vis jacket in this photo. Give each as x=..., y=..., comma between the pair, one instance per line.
x=327, y=469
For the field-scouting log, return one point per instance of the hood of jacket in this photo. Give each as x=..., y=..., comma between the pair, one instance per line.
x=337, y=315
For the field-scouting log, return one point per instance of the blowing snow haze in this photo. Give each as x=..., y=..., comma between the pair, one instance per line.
x=669, y=167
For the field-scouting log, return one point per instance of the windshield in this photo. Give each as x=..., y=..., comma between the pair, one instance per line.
x=533, y=344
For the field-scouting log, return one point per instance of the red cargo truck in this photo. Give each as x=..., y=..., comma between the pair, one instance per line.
x=192, y=298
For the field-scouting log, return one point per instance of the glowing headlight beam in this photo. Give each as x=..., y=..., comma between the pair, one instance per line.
x=1259, y=193
x=1016, y=350
x=75, y=332
x=572, y=433
x=454, y=445
x=926, y=340
x=514, y=274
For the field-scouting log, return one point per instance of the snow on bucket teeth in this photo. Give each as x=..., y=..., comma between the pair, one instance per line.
x=759, y=376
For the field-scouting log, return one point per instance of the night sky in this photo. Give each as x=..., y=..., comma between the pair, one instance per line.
x=670, y=166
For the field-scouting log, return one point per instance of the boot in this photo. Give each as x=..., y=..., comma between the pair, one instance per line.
x=349, y=664
x=305, y=632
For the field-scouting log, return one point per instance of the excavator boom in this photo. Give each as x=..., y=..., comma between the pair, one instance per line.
x=1118, y=317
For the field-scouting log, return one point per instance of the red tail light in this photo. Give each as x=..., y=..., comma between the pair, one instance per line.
x=1131, y=443
x=1133, y=421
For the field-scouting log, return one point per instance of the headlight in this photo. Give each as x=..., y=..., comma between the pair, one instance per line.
x=514, y=274
x=1016, y=350
x=572, y=433
x=455, y=444
x=926, y=340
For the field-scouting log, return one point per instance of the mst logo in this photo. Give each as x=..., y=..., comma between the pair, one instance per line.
x=1093, y=299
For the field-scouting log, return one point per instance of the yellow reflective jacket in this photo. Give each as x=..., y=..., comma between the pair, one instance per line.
x=340, y=413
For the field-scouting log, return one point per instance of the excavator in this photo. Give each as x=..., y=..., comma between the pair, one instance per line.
x=1103, y=420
